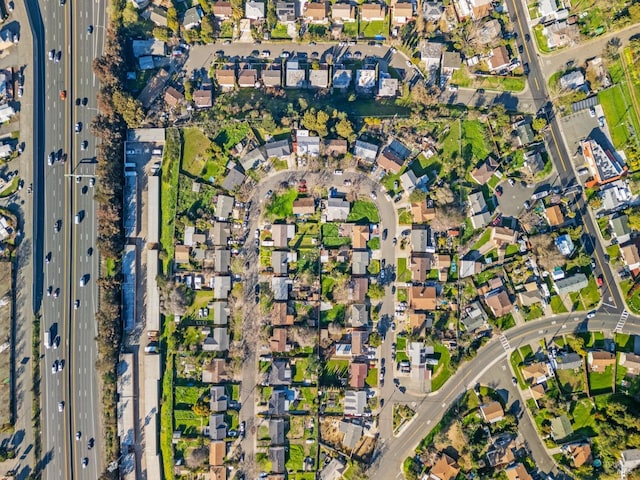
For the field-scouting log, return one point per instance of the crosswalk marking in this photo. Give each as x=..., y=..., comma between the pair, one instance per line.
x=505, y=343
x=621, y=322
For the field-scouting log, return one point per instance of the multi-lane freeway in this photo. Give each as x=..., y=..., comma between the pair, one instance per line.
x=64, y=247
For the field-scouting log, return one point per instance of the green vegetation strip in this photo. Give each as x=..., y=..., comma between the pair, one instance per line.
x=169, y=195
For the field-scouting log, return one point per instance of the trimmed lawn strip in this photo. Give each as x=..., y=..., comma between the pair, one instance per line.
x=169, y=195
x=443, y=371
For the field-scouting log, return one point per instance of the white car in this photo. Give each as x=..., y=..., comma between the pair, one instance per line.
x=60, y=406
x=54, y=367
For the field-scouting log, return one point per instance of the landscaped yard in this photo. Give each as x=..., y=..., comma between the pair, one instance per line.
x=373, y=28
x=616, y=104
x=601, y=382
x=443, y=371
x=331, y=236
x=296, y=457
x=557, y=306
x=587, y=298
x=336, y=314
x=363, y=211
x=583, y=418
x=374, y=243
x=300, y=369
x=404, y=274
x=570, y=382
x=476, y=138
x=372, y=378
x=168, y=195
x=280, y=32
x=281, y=205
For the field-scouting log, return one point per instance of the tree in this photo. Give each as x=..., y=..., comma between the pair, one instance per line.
x=376, y=291
x=161, y=33
x=545, y=252
x=576, y=343
x=539, y=124
x=207, y=29
x=130, y=15
x=201, y=410
x=172, y=20
x=129, y=108
x=344, y=128
x=375, y=340
x=205, y=6
x=634, y=218
x=188, y=90
x=272, y=18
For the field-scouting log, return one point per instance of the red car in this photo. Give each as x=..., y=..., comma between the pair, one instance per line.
x=600, y=281
x=498, y=191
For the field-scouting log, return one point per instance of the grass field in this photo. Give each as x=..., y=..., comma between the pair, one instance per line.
x=570, y=382
x=583, y=418
x=373, y=28
x=331, y=237
x=557, y=306
x=601, y=382
x=443, y=371
x=372, y=378
x=280, y=32
x=363, y=211
x=281, y=205
x=296, y=457
x=616, y=103
x=169, y=194
x=587, y=298
x=350, y=29
x=195, y=160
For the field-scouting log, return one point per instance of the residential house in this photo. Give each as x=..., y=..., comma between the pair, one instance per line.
x=358, y=374
x=431, y=57
x=295, y=75
x=561, y=427
x=565, y=245
x=203, y=98
x=365, y=151
x=599, y=360
x=222, y=261
x=359, y=315
x=423, y=297
x=479, y=214
x=233, y=179
x=282, y=233
x=286, y=12
x=217, y=427
x=360, y=262
x=517, y=472
x=573, y=283
x=499, y=59
x=359, y=236
x=316, y=12
x=277, y=457
x=359, y=339
x=306, y=145
x=547, y=8
x=620, y=228
x=630, y=459
x=485, y=171
x=370, y=12
x=215, y=371
x=280, y=149
x=554, y=216
x=420, y=266
x=304, y=206
x=492, y=412
x=253, y=158
x=580, y=454
x=390, y=162
x=469, y=267
x=158, y=15
x=631, y=362
x=319, y=78
x=630, y=255
x=358, y=287
x=218, y=341
x=247, y=78
x=572, y=80
x=343, y=12
x=221, y=312
x=280, y=261
x=402, y=12
x=472, y=9
x=422, y=239
x=222, y=10
x=365, y=80
x=280, y=288
x=423, y=212
x=501, y=451
x=355, y=403
x=533, y=161
x=278, y=403
x=568, y=361
x=280, y=372
x=181, y=254
x=218, y=402
x=172, y=97
x=192, y=17
x=561, y=34
x=352, y=434
x=432, y=11
x=387, y=86
x=146, y=48
x=219, y=234
x=490, y=31
x=277, y=427
x=224, y=206
x=217, y=452
x=271, y=77
x=450, y=63
x=499, y=303
x=333, y=470
x=445, y=468
x=221, y=287
x=278, y=340
x=502, y=236
x=254, y=10
x=280, y=315
x=337, y=209
x=473, y=317
x=341, y=78
x=536, y=373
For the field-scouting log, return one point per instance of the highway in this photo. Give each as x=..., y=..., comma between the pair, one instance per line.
x=57, y=198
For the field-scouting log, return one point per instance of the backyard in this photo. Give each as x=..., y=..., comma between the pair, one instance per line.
x=363, y=211
x=601, y=382
x=281, y=205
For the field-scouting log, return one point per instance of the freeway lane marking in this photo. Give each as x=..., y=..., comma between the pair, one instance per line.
x=535, y=79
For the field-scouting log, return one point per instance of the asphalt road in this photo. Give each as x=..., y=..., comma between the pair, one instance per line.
x=85, y=405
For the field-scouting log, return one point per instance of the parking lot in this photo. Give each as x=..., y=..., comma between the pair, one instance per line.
x=577, y=126
x=511, y=203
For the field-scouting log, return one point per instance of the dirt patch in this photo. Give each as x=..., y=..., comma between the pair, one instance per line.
x=330, y=432
x=365, y=448
x=6, y=306
x=454, y=441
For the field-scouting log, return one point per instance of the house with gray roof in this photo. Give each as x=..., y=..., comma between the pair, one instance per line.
x=341, y=78
x=218, y=341
x=572, y=80
x=355, y=403
x=254, y=10
x=221, y=287
x=352, y=434
x=365, y=151
x=280, y=262
x=233, y=179
x=286, y=12
x=337, y=209
x=421, y=240
x=280, y=288
x=219, y=234
x=431, y=56
x=307, y=144
x=333, y=470
x=295, y=76
x=573, y=283
x=280, y=373
x=278, y=404
x=192, y=17
x=568, y=361
x=620, y=228
x=277, y=428
x=474, y=317
x=561, y=427
x=217, y=427
x=219, y=401
x=280, y=149
x=277, y=458
x=272, y=77
x=221, y=313
x=224, y=206
x=222, y=260
x=360, y=262
x=253, y=158
x=359, y=316
x=319, y=78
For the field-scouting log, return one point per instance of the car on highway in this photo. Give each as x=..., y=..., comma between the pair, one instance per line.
x=49, y=291
x=56, y=293
x=92, y=182
x=85, y=462
x=52, y=54
x=90, y=443
x=47, y=257
x=60, y=365
x=54, y=367
x=76, y=305
x=58, y=56
x=78, y=435
x=79, y=216
x=90, y=29
x=60, y=406
x=84, y=145
x=85, y=100
x=63, y=94
x=83, y=280
x=58, y=226
x=50, y=159
x=78, y=127
x=591, y=314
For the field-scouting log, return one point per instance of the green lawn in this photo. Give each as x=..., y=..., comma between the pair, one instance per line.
x=350, y=29
x=296, y=457
x=331, y=237
x=404, y=274
x=443, y=371
x=337, y=366
x=570, y=382
x=169, y=194
x=541, y=40
x=616, y=103
x=516, y=360
x=372, y=378
x=374, y=243
x=226, y=29
x=300, y=369
x=373, y=28
x=195, y=159
x=405, y=217
x=476, y=140
x=601, y=382
x=188, y=422
x=401, y=344
x=587, y=298
x=280, y=32
x=484, y=238
x=336, y=314
x=583, y=418
x=535, y=311
x=557, y=306
x=185, y=397
x=363, y=211
x=624, y=342
x=232, y=135
x=281, y=205
x=11, y=188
